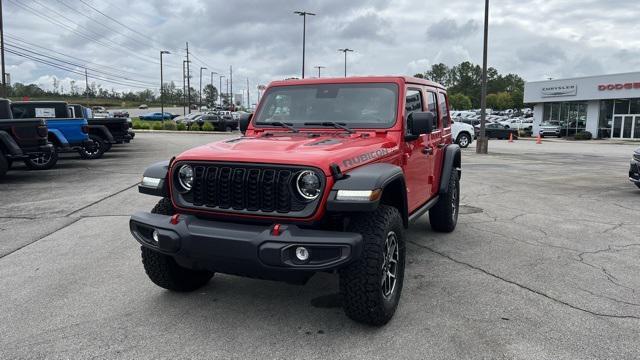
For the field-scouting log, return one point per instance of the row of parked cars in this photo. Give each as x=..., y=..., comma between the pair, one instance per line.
x=498, y=126
x=35, y=132
x=221, y=120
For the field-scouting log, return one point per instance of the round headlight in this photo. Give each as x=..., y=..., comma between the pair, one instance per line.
x=185, y=177
x=308, y=185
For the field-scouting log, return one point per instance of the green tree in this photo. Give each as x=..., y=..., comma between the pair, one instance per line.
x=210, y=94
x=439, y=73
x=460, y=102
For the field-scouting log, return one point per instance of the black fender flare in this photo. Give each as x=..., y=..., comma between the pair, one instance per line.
x=387, y=177
x=158, y=171
x=8, y=145
x=452, y=160
x=102, y=131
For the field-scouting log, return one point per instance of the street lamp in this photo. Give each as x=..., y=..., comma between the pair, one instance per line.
x=345, y=51
x=482, y=146
x=220, y=90
x=213, y=73
x=162, y=52
x=304, y=33
x=200, y=101
x=319, y=67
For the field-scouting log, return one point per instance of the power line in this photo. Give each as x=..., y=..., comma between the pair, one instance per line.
x=116, y=21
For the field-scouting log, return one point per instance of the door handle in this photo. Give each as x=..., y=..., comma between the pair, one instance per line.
x=427, y=151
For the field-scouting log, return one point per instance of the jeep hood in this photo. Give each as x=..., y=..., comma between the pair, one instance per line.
x=345, y=150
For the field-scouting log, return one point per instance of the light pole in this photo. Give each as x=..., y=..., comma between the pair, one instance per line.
x=482, y=146
x=4, y=75
x=162, y=52
x=212, y=73
x=304, y=33
x=200, y=99
x=345, y=51
x=220, y=90
x=319, y=67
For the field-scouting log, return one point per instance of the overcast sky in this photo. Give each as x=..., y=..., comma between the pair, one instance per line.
x=263, y=39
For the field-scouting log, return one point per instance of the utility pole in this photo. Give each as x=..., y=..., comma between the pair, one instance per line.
x=319, y=67
x=200, y=99
x=184, y=90
x=4, y=74
x=212, y=73
x=304, y=33
x=86, y=81
x=482, y=145
x=220, y=90
x=345, y=51
x=231, y=87
x=162, y=52
x=248, y=99
x=188, y=80
x=228, y=99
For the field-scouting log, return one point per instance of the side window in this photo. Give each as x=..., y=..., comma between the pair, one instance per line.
x=444, y=110
x=413, y=101
x=432, y=104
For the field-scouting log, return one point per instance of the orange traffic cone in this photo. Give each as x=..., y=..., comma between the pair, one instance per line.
x=510, y=137
x=539, y=139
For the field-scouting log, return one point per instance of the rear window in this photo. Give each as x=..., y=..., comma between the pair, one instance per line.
x=39, y=110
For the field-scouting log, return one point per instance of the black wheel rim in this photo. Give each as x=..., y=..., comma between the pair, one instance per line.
x=96, y=148
x=42, y=158
x=390, y=265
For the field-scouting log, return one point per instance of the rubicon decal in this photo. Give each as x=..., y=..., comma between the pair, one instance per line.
x=365, y=157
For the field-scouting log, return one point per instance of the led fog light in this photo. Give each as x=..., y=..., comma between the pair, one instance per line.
x=302, y=253
x=156, y=236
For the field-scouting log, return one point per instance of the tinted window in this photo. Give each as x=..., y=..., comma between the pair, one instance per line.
x=356, y=105
x=432, y=103
x=444, y=110
x=413, y=101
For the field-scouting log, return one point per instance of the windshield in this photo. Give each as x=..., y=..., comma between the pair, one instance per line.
x=355, y=105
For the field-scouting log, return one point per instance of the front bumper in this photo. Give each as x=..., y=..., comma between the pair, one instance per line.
x=634, y=172
x=243, y=249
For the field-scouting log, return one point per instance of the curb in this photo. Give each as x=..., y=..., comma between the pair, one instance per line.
x=185, y=132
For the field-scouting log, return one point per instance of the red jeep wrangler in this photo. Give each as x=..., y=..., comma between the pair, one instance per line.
x=327, y=176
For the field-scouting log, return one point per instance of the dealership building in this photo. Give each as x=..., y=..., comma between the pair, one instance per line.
x=608, y=106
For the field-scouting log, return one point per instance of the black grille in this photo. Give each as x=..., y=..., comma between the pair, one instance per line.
x=247, y=188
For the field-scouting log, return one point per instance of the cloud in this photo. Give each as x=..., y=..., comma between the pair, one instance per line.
x=449, y=29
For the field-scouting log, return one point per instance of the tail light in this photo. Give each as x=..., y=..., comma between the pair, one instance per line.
x=85, y=129
x=42, y=131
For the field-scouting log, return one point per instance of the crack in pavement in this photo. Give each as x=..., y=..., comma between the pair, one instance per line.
x=103, y=199
x=40, y=238
x=524, y=287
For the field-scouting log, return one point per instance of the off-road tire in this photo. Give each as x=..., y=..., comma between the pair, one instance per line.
x=163, y=269
x=107, y=146
x=443, y=216
x=638, y=185
x=99, y=143
x=361, y=288
x=35, y=164
x=461, y=137
x=228, y=129
x=4, y=165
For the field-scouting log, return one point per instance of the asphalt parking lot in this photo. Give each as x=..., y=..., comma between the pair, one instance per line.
x=543, y=265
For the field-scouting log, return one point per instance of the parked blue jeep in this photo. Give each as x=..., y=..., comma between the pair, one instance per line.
x=65, y=133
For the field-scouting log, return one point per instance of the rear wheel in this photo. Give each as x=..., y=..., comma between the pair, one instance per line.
x=370, y=287
x=42, y=161
x=444, y=215
x=228, y=129
x=96, y=150
x=4, y=165
x=164, y=271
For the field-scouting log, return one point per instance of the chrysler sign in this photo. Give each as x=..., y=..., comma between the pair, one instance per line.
x=560, y=90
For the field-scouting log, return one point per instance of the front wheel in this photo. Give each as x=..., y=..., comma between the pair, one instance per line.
x=4, y=165
x=370, y=287
x=228, y=129
x=163, y=270
x=444, y=215
x=42, y=161
x=463, y=140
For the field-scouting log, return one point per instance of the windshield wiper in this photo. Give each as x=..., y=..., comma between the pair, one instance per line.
x=332, y=123
x=279, y=123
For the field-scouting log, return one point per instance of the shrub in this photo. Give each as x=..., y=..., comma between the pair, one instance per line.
x=584, y=135
x=169, y=125
x=207, y=127
x=194, y=127
x=137, y=124
x=181, y=127
x=157, y=126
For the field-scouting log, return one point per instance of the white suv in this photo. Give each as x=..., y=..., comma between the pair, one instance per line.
x=462, y=133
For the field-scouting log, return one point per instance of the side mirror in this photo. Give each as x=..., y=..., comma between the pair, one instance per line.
x=419, y=123
x=245, y=119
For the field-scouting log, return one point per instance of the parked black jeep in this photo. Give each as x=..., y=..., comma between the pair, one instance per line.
x=115, y=130
x=21, y=139
x=634, y=170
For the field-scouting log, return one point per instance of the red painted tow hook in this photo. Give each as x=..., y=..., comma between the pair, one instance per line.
x=175, y=219
x=276, y=230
